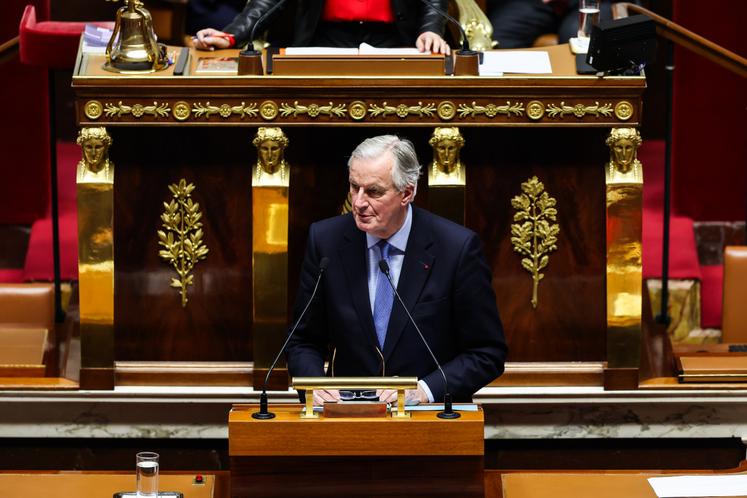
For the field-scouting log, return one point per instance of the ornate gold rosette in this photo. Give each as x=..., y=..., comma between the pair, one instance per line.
x=93, y=109
x=623, y=110
x=268, y=110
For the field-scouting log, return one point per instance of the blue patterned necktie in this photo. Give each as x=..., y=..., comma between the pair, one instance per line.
x=384, y=297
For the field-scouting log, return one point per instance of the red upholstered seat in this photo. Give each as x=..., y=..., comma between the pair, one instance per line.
x=49, y=44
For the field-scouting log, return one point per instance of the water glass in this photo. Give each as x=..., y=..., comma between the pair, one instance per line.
x=146, y=472
x=588, y=16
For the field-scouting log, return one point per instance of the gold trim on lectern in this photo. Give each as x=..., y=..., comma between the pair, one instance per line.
x=398, y=383
x=95, y=198
x=624, y=191
x=447, y=174
x=270, y=194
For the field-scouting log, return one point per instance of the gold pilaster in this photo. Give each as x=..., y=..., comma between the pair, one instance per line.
x=447, y=174
x=270, y=189
x=624, y=189
x=95, y=194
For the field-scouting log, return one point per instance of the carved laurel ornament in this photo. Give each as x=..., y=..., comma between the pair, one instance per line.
x=402, y=110
x=312, y=110
x=532, y=233
x=579, y=110
x=224, y=110
x=491, y=110
x=181, y=238
x=137, y=110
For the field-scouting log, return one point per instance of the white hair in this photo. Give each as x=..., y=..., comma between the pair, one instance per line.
x=406, y=169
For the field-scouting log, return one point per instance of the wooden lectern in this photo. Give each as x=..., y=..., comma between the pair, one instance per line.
x=290, y=456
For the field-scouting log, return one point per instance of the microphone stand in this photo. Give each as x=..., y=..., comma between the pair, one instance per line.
x=250, y=60
x=264, y=413
x=448, y=412
x=466, y=61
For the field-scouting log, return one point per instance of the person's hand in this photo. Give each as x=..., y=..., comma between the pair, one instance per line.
x=210, y=39
x=431, y=42
x=322, y=396
x=412, y=396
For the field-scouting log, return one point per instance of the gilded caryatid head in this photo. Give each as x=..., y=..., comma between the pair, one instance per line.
x=623, y=144
x=446, y=143
x=270, y=144
x=95, y=143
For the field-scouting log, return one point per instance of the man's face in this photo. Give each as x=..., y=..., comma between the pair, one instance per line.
x=378, y=208
x=93, y=149
x=269, y=155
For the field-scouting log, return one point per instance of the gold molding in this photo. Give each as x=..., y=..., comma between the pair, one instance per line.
x=402, y=110
x=357, y=110
x=268, y=110
x=225, y=110
x=578, y=110
x=532, y=234
x=93, y=109
x=137, y=110
x=535, y=110
x=491, y=110
x=182, y=236
x=312, y=110
x=623, y=110
x=181, y=111
x=446, y=110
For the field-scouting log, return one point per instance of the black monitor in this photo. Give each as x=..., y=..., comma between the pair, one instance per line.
x=622, y=45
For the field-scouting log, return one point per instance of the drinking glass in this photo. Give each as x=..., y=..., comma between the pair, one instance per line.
x=146, y=472
x=588, y=16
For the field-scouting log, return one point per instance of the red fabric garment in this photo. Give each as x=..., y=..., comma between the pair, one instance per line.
x=358, y=10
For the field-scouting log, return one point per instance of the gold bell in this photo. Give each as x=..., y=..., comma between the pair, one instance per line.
x=133, y=45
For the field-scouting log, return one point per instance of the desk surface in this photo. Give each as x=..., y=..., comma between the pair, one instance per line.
x=581, y=485
x=94, y=485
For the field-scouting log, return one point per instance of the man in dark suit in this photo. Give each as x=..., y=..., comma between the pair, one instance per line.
x=342, y=23
x=437, y=266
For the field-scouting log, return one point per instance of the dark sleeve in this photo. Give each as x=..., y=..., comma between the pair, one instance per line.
x=431, y=19
x=479, y=332
x=242, y=25
x=307, y=348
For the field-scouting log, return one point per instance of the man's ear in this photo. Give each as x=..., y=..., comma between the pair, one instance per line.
x=408, y=194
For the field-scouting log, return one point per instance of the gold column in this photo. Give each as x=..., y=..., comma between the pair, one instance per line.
x=270, y=188
x=624, y=188
x=447, y=175
x=95, y=190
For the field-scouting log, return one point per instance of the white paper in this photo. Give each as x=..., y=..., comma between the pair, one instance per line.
x=497, y=62
x=687, y=486
x=366, y=49
x=320, y=51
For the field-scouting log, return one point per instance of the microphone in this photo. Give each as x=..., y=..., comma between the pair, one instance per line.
x=263, y=18
x=465, y=42
x=448, y=412
x=263, y=413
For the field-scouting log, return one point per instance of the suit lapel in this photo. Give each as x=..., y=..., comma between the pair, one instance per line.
x=353, y=256
x=416, y=268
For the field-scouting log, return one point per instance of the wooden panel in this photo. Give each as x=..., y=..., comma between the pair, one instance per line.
x=423, y=434
x=80, y=485
x=569, y=322
x=320, y=477
x=576, y=485
x=150, y=323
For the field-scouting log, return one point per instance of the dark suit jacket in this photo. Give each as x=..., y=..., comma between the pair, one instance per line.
x=411, y=16
x=444, y=281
